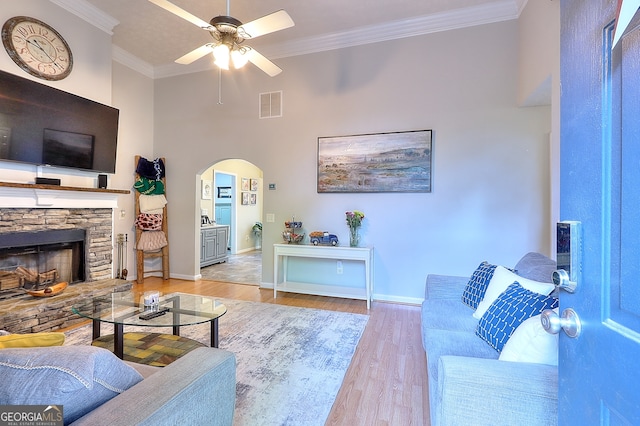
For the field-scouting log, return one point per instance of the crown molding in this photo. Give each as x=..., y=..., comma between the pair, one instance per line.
x=131, y=61
x=498, y=11
x=461, y=18
x=89, y=13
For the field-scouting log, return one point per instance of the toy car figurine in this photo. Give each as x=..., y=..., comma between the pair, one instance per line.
x=324, y=238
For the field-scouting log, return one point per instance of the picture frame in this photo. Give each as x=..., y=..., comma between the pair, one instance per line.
x=376, y=162
x=224, y=192
x=207, y=189
x=253, y=199
x=245, y=199
x=244, y=184
x=254, y=185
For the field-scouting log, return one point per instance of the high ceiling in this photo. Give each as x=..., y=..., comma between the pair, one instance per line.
x=158, y=37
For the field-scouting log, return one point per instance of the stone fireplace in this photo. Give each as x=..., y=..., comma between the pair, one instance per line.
x=39, y=230
x=35, y=260
x=54, y=231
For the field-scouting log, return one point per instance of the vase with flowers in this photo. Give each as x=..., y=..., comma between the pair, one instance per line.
x=354, y=220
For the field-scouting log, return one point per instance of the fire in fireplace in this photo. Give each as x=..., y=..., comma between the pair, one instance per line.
x=34, y=260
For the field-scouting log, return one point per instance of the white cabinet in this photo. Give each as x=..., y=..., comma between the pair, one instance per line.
x=213, y=244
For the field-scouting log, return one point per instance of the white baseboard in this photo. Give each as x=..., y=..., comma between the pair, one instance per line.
x=397, y=299
x=376, y=297
x=185, y=277
x=247, y=250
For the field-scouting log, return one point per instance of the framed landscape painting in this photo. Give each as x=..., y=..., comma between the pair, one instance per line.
x=379, y=162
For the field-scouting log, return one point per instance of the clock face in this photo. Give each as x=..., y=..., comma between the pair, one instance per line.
x=37, y=48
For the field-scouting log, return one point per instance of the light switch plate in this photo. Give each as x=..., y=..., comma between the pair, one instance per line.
x=271, y=217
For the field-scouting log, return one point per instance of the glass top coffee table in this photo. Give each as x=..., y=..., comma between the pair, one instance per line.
x=125, y=308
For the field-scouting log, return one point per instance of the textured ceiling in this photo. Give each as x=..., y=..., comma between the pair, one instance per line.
x=158, y=37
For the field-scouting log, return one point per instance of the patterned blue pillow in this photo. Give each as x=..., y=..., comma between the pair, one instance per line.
x=477, y=285
x=508, y=311
x=80, y=378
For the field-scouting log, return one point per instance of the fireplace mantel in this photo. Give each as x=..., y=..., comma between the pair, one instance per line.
x=26, y=195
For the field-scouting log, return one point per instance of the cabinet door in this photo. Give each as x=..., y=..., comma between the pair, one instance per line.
x=210, y=245
x=202, y=247
x=222, y=237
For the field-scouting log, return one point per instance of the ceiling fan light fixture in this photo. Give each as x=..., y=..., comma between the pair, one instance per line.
x=228, y=34
x=221, y=56
x=239, y=58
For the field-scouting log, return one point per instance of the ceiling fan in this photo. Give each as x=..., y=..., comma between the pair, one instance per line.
x=229, y=34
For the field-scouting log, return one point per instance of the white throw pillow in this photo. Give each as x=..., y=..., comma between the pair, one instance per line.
x=503, y=278
x=530, y=343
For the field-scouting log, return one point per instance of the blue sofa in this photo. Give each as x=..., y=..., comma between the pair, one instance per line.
x=468, y=385
x=96, y=388
x=197, y=389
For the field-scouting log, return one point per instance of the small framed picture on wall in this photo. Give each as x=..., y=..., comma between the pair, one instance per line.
x=207, y=189
x=245, y=198
x=254, y=185
x=244, y=184
x=252, y=199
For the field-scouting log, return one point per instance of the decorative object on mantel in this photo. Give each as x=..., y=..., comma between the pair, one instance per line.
x=290, y=235
x=354, y=220
x=50, y=290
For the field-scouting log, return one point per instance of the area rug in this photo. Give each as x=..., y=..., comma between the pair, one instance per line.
x=290, y=361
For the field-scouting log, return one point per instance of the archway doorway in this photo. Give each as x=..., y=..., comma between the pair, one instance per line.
x=236, y=201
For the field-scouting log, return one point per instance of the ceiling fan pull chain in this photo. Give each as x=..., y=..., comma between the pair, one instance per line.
x=219, y=86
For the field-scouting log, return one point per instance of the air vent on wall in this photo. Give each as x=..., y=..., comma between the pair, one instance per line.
x=271, y=104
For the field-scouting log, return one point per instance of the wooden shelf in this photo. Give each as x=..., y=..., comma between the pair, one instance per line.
x=62, y=188
x=29, y=195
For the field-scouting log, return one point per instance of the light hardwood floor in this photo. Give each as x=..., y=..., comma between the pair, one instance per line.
x=386, y=383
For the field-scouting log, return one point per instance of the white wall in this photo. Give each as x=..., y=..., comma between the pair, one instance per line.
x=539, y=68
x=133, y=96
x=490, y=170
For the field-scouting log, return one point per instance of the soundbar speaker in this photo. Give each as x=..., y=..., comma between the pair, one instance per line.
x=47, y=181
x=102, y=181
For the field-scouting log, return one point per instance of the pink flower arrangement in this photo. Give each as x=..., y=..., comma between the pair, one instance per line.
x=354, y=219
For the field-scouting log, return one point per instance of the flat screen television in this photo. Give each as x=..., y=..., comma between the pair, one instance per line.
x=42, y=125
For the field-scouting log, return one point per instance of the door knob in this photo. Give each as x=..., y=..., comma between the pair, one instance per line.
x=569, y=322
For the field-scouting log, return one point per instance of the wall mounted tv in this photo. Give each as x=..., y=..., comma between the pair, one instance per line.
x=42, y=125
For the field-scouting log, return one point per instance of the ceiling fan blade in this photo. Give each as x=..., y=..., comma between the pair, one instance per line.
x=273, y=22
x=263, y=63
x=170, y=7
x=195, y=54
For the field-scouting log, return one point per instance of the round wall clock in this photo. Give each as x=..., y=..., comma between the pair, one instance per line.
x=37, y=48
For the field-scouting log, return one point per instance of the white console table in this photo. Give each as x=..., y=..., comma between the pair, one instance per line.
x=281, y=252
